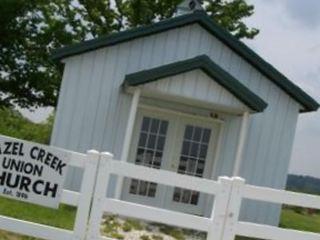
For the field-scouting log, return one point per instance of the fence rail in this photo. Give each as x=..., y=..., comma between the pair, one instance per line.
x=169, y=178
x=156, y=215
x=280, y=196
x=223, y=224
x=33, y=229
x=82, y=200
x=273, y=233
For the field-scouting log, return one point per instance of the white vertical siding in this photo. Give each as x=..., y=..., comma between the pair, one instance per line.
x=93, y=110
x=196, y=85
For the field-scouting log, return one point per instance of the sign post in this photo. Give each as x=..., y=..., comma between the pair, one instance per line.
x=32, y=172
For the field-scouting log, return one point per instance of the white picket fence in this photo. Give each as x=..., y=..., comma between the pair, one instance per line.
x=223, y=224
x=82, y=200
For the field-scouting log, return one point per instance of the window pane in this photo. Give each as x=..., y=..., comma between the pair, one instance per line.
x=157, y=160
x=143, y=139
x=185, y=148
x=197, y=134
x=145, y=124
x=191, y=166
x=160, y=143
x=155, y=123
x=186, y=196
x=203, y=151
x=199, y=172
x=206, y=135
x=194, y=198
x=134, y=186
x=177, y=194
x=152, y=141
x=188, y=132
x=143, y=188
x=164, y=127
x=194, y=149
x=140, y=156
x=152, y=190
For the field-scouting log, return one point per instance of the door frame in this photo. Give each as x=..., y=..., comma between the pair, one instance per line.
x=171, y=116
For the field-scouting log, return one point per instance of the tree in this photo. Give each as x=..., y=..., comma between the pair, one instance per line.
x=31, y=29
x=15, y=125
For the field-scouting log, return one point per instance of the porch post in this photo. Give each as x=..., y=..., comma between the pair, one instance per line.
x=242, y=139
x=128, y=136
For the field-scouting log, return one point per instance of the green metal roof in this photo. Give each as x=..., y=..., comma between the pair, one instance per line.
x=200, y=17
x=204, y=63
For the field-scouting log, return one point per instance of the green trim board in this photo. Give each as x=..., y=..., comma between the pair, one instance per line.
x=200, y=17
x=204, y=63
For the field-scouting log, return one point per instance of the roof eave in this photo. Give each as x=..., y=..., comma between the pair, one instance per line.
x=204, y=63
x=116, y=38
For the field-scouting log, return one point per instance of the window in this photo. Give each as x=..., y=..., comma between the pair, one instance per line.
x=149, y=153
x=192, y=160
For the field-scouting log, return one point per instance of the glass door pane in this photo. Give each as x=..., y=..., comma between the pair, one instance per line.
x=149, y=153
x=192, y=160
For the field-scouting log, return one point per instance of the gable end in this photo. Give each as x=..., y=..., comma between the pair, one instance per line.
x=204, y=63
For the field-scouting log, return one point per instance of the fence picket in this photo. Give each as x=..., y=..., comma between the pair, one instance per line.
x=233, y=209
x=86, y=192
x=220, y=206
x=102, y=180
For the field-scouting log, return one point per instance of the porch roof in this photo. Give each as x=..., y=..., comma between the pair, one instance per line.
x=204, y=63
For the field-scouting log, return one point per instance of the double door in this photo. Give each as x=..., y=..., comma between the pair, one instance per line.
x=185, y=145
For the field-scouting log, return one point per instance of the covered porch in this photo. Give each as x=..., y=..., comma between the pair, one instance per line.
x=189, y=117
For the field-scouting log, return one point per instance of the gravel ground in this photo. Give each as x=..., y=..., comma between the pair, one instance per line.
x=131, y=229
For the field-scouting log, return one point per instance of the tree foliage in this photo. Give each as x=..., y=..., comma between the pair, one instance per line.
x=305, y=184
x=13, y=124
x=30, y=29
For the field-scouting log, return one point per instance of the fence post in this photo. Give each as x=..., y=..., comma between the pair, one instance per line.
x=86, y=191
x=233, y=209
x=219, y=210
x=102, y=181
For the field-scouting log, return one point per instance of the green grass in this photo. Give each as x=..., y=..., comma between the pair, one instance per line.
x=61, y=218
x=304, y=222
x=65, y=215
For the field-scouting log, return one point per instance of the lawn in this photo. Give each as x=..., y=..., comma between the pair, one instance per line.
x=65, y=215
x=62, y=218
x=300, y=220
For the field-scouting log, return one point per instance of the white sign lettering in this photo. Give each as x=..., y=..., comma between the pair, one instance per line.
x=32, y=172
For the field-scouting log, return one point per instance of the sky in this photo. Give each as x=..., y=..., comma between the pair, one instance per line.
x=290, y=40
